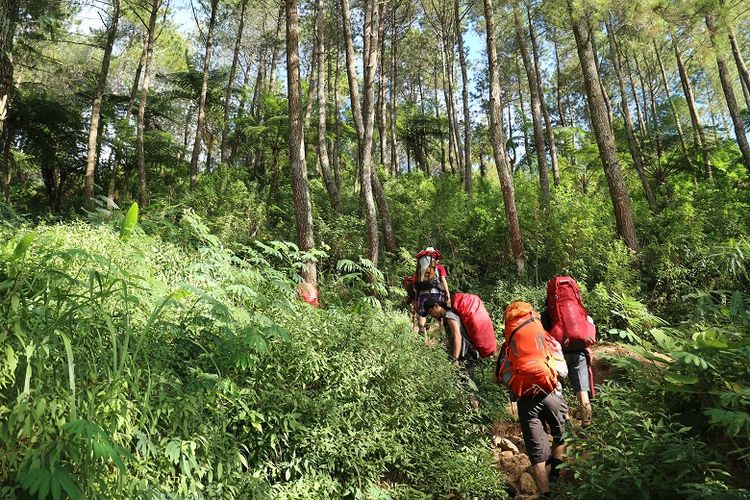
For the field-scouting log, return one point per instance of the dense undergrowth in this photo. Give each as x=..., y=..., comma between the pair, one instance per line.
x=142, y=368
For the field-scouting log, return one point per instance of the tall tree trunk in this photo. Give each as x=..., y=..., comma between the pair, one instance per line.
x=642, y=125
x=240, y=113
x=597, y=61
x=7, y=142
x=330, y=181
x=675, y=114
x=96, y=106
x=300, y=188
x=451, y=75
x=393, y=91
x=364, y=120
x=140, y=122
x=385, y=213
x=726, y=85
x=545, y=111
x=336, y=121
x=698, y=135
x=468, y=185
x=454, y=158
x=199, y=132
x=9, y=11
x=275, y=52
x=652, y=104
x=536, y=108
x=522, y=112
x=225, y=147
x=497, y=138
x=741, y=66
x=604, y=137
x=558, y=86
x=381, y=117
x=633, y=143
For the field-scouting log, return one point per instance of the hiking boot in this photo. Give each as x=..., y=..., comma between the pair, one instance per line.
x=554, y=472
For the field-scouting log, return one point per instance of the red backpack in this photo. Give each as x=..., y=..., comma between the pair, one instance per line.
x=526, y=363
x=477, y=322
x=570, y=321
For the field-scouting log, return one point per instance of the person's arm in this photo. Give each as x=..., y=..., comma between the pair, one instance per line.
x=456, y=333
x=447, y=292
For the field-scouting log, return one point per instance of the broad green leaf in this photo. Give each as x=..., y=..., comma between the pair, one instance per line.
x=680, y=379
x=129, y=222
x=23, y=246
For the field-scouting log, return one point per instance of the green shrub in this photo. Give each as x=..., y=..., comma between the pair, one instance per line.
x=141, y=368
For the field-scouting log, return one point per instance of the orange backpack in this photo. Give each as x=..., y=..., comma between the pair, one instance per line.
x=526, y=359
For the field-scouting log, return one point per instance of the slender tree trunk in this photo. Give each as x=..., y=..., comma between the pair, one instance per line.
x=672, y=106
x=275, y=52
x=545, y=112
x=726, y=85
x=558, y=85
x=302, y=205
x=364, y=121
x=454, y=158
x=381, y=117
x=7, y=141
x=9, y=11
x=497, y=138
x=652, y=103
x=536, y=108
x=741, y=66
x=96, y=106
x=225, y=148
x=633, y=143
x=597, y=61
x=385, y=213
x=240, y=114
x=642, y=125
x=698, y=135
x=337, y=121
x=140, y=122
x=393, y=90
x=199, y=132
x=522, y=112
x=468, y=185
x=330, y=180
x=451, y=76
x=603, y=132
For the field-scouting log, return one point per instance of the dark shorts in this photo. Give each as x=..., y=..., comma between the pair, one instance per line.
x=422, y=298
x=536, y=414
x=578, y=370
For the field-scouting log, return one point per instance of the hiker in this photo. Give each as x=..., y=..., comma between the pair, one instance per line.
x=468, y=327
x=565, y=317
x=531, y=364
x=460, y=347
x=429, y=283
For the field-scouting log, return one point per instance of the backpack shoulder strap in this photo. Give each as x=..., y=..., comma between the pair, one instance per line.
x=513, y=333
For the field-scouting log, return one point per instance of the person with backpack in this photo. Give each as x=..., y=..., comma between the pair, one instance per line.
x=531, y=365
x=470, y=334
x=569, y=323
x=430, y=283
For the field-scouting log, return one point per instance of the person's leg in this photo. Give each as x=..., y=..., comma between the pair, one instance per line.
x=422, y=314
x=541, y=477
x=583, y=401
x=554, y=414
x=535, y=439
x=578, y=372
